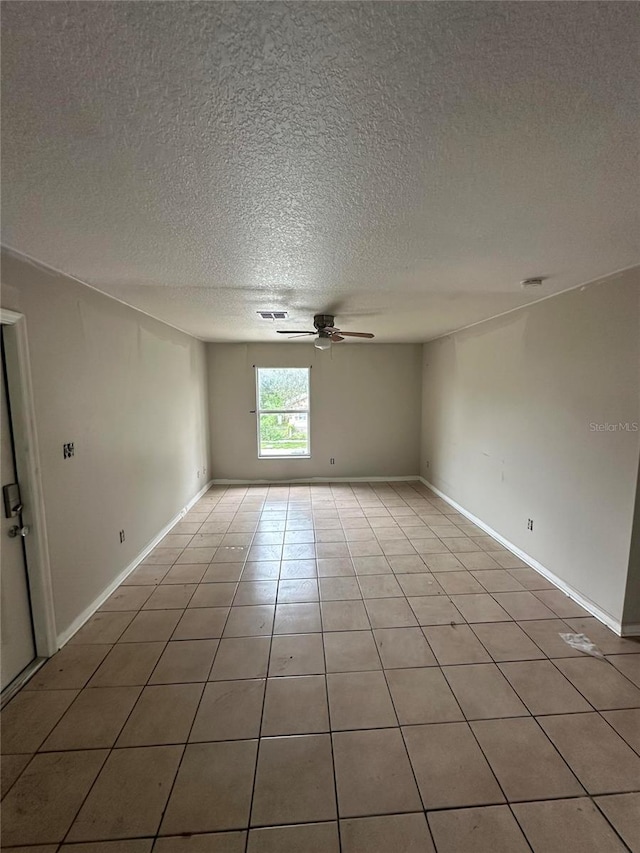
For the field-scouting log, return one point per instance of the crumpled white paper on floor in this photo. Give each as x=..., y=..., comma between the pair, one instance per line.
x=583, y=644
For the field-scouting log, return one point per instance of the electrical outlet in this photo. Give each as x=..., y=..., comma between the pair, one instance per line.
x=332, y=461
x=198, y=473
x=529, y=524
x=122, y=536
x=68, y=450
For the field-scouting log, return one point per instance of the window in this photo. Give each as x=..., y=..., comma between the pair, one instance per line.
x=283, y=411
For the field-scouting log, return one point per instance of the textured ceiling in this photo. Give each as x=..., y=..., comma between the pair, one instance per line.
x=402, y=164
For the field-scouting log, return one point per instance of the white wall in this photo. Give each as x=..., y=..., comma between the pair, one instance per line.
x=130, y=392
x=507, y=409
x=365, y=410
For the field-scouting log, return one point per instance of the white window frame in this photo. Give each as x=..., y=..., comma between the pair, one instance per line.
x=306, y=411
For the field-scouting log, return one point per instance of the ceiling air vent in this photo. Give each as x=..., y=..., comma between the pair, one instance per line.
x=273, y=315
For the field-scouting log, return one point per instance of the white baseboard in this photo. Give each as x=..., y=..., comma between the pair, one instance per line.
x=573, y=594
x=410, y=478
x=86, y=614
x=632, y=630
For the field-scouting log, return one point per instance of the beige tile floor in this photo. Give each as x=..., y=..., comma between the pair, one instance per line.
x=349, y=667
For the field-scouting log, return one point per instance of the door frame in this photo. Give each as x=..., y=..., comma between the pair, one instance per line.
x=20, y=391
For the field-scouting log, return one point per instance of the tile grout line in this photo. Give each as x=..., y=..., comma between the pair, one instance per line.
x=482, y=752
x=473, y=734
x=402, y=737
x=264, y=698
x=331, y=744
x=593, y=710
x=187, y=740
x=464, y=716
x=508, y=802
x=315, y=675
x=375, y=532
x=608, y=820
x=112, y=749
x=39, y=750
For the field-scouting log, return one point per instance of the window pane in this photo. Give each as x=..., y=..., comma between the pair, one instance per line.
x=283, y=388
x=284, y=435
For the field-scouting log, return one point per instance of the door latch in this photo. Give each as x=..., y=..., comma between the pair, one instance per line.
x=12, y=500
x=18, y=531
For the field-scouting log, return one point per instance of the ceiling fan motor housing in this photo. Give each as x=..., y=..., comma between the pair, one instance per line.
x=323, y=321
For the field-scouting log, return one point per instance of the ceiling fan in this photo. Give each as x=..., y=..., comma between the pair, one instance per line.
x=326, y=331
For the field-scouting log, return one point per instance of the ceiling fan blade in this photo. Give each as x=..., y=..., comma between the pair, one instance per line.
x=357, y=334
x=293, y=332
x=336, y=337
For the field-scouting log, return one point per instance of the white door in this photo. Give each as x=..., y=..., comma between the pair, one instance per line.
x=16, y=630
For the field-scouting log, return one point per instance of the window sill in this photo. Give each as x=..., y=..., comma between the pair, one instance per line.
x=297, y=456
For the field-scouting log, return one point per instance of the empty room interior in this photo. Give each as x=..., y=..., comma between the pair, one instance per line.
x=320, y=427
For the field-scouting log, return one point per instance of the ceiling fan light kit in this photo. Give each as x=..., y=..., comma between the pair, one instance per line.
x=326, y=331
x=322, y=343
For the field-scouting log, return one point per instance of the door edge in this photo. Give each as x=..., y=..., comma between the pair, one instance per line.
x=20, y=390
